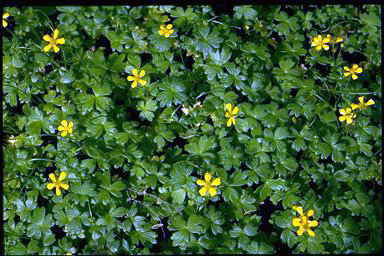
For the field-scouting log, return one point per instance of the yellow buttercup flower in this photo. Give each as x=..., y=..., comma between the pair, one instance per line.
x=53, y=41
x=166, y=30
x=339, y=39
x=319, y=42
x=346, y=115
x=5, y=16
x=65, y=127
x=362, y=104
x=57, y=183
x=231, y=114
x=303, y=221
x=137, y=78
x=208, y=185
x=352, y=71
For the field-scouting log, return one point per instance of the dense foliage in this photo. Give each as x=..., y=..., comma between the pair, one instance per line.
x=189, y=129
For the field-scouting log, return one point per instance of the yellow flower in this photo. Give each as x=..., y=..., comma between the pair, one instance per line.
x=231, y=114
x=208, y=185
x=65, y=127
x=166, y=30
x=346, y=115
x=5, y=16
x=362, y=105
x=53, y=41
x=319, y=43
x=303, y=222
x=137, y=78
x=339, y=39
x=58, y=183
x=352, y=71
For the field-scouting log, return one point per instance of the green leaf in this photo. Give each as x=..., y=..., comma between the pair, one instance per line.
x=237, y=179
x=281, y=133
x=245, y=11
x=147, y=108
x=201, y=146
x=178, y=196
x=49, y=239
x=38, y=216
x=230, y=195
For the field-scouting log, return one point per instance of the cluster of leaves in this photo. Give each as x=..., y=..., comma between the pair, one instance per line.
x=134, y=156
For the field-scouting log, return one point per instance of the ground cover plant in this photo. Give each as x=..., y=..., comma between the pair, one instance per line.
x=145, y=129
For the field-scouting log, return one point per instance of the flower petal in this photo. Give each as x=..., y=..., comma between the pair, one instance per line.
x=326, y=47
x=62, y=176
x=135, y=72
x=233, y=120
x=47, y=48
x=361, y=99
x=6, y=15
x=50, y=185
x=313, y=223
x=318, y=47
x=52, y=177
x=310, y=213
x=64, y=133
x=235, y=111
x=342, y=111
x=70, y=125
x=346, y=68
x=349, y=120
x=311, y=233
x=130, y=78
x=64, y=123
x=169, y=26
x=228, y=106
x=142, y=82
x=216, y=182
x=203, y=191
x=207, y=177
x=354, y=76
x=212, y=191
x=359, y=70
x=296, y=222
x=60, y=41
x=327, y=40
x=61, y=128
x=229, y=122
x=301, y=231
x=5, y=23
x=70, y=130
x=227, y=114
x=65, y=186
x=55, y=33
x=348, y=111
x=355, y=106
x=299, y=209
x=162, y=27
x=355, y=66
x=56, y=49
x=342, y=118
x=200, y=182
x=370, y=102
x=47, y=38
x=142, y=73
x=161, y=32
x=58, y=192
x=134, y=84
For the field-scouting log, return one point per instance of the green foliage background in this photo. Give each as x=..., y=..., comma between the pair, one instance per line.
x=134, y=156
